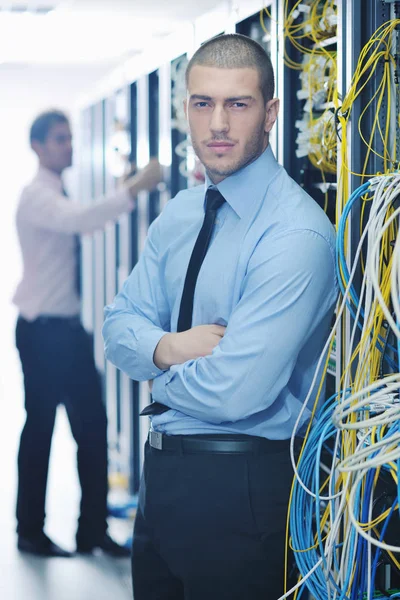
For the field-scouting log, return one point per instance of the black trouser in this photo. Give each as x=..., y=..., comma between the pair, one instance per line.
x=58, y=367
x=211, y=526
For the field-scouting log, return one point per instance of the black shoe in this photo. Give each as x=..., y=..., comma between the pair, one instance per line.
x=41, y=545
x=106, y=544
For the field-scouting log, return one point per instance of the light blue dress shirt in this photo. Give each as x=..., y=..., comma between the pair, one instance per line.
x=268, y=276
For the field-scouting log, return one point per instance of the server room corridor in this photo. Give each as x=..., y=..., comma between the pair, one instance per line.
x=46, y=68
x=293, y=290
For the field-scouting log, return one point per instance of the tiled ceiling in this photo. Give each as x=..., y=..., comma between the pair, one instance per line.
x=20, y=6
x=174, y=10
x=88, y=31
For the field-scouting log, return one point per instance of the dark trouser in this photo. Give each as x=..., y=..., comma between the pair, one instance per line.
x=58, y=367
x=212, y=526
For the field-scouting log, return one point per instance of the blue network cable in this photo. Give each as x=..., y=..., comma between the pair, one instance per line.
x=306, y=510
x=305, y=525
x=340, y=252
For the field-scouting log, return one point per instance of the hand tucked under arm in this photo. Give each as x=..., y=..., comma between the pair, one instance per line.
x=178, y=348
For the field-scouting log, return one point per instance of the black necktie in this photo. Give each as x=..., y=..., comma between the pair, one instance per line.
x=78, y=253
x=214, y=201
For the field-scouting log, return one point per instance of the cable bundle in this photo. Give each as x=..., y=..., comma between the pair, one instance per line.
x=376, y=57
x=344, y=503
x=376, y=62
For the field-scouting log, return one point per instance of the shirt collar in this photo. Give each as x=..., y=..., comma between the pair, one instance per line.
x=50, y=177
x=249, y=184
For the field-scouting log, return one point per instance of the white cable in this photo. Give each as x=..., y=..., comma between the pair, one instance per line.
x=373, y=266
x=303, y=580
x=354, y=521
x=323, y=353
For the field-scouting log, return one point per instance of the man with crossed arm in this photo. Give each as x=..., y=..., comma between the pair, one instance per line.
x=227, y=312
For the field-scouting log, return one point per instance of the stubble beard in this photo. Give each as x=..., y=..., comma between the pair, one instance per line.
x=253, y=149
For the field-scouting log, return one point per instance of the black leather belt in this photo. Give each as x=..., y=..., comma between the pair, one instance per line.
x=229, y=444
x=50, y=319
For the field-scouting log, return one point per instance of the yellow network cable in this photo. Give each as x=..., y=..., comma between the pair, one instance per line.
x=306, y=29
x=376, y=52
x=369, y=341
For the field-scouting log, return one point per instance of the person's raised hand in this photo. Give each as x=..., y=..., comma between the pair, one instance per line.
x=146, y=179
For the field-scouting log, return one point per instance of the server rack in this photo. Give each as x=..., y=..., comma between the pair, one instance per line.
x=154, y=136
x=86, y=188
x=178, y=130
x=124, y=240
x=134, y=441
x=165, y=147
x=98, y=237
x=143, y=155
x=110, y=235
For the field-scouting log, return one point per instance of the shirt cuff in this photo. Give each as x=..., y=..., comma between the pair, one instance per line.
x=159, y=392
x=148, y=344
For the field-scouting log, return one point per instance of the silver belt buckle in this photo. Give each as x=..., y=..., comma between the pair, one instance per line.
x=155, y=439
